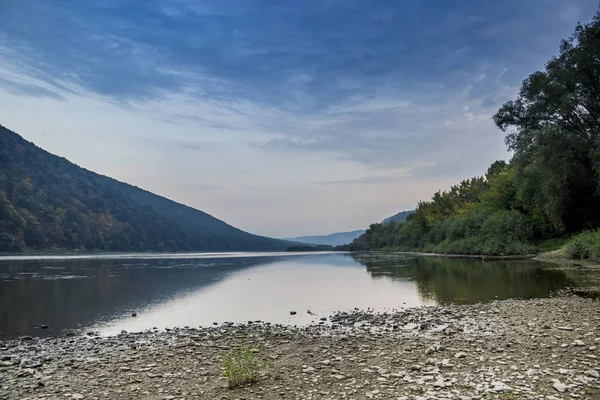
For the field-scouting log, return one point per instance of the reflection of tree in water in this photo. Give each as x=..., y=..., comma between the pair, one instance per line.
x=68, y=294
x=451, y=280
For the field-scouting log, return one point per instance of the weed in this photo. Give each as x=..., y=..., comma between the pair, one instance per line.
x=242, y=365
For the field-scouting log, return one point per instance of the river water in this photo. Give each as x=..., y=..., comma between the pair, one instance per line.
x=99, y=293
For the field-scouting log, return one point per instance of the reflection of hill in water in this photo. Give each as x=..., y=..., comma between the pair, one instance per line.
x=68, y=294
x=450, y=280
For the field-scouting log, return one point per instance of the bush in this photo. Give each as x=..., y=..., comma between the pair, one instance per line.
x=479, y=232
x=585, y=245
x=595, y=254
x=242, y=365
x=577, y=249
x=10, y=243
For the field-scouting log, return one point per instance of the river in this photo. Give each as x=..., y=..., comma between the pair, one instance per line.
x=100, y=293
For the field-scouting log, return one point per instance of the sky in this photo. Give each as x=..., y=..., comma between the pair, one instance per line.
x=283, y=118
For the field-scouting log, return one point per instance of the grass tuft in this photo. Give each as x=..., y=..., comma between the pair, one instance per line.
x=242, y=365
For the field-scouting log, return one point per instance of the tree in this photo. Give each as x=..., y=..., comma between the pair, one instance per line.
x=554, y=129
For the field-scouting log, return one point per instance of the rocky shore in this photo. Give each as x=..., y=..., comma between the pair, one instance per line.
x=514, y=349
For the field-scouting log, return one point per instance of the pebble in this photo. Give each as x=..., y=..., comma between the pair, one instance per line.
x=494, y=350
x=561, y=387
x=593, y=373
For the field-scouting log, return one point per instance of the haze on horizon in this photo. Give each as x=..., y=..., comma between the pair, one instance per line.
x=282, y=119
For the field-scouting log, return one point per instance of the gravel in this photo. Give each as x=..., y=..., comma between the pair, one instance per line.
x=512, y=349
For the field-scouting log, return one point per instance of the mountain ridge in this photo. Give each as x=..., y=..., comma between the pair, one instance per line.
x=46, y=201
x=399, y=217
x=332, y=239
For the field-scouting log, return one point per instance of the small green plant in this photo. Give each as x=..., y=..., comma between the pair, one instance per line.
x=242, y=365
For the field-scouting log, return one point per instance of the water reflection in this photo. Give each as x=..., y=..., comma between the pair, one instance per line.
x=73, y=293
x=101, y=293
x=465, y=281
x=319, y=284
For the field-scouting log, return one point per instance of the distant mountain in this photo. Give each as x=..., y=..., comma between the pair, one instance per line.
x=400, y=217
x=334, y=239
x=48, y=202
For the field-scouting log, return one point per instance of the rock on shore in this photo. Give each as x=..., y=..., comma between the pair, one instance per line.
x=514, y=349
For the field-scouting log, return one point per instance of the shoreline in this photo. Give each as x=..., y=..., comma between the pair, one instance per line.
x=480, y=256
x=528, y=349
x=542, y=256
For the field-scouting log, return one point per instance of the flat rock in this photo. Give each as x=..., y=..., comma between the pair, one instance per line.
x=593, y=373
x=559, y=386
x=564, y=328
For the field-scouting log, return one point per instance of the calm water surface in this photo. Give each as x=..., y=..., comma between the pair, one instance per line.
x=100, y=292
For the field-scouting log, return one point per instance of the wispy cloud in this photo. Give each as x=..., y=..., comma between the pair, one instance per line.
x=28, y=89
x=262, y=93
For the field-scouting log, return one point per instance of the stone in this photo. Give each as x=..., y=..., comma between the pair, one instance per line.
x=559, y=386
x=460, y=355
x=593, y=373
x=500, y=387
x=77, y=396
x=293, y=312
x=578, y=343
x=564, y=328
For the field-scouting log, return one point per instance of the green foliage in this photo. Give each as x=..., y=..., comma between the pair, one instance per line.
x=242, y=366
x=458, y=221
x=586, y=245
x=553, y=128
x=47, y=202
x=10, y=243
x=550, y=188
x=552, y=244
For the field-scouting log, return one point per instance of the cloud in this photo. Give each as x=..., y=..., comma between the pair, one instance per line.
x=254, y=98
x=27, y=89
x=298, y=58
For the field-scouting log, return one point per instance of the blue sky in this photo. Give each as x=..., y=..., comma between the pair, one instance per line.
x=284, y=118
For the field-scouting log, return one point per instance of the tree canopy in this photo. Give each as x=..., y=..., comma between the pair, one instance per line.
x=550, y=188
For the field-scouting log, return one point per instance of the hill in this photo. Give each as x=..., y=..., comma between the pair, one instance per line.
x=397, y=218
x=334, y=239
x=48, y=202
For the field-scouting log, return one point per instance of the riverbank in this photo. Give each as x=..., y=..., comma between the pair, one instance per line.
x=476, y=256
x=513, y=349
x=559, y=257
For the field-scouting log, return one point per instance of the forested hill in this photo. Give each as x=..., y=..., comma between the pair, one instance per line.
x=48, y=202
x=333, y=239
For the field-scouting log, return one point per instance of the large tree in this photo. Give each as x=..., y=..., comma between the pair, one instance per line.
x=553, y=127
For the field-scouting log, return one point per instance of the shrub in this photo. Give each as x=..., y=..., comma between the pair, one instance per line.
x=585, y=245
x=577, y=249
x=595, y=254
x=242, y=365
